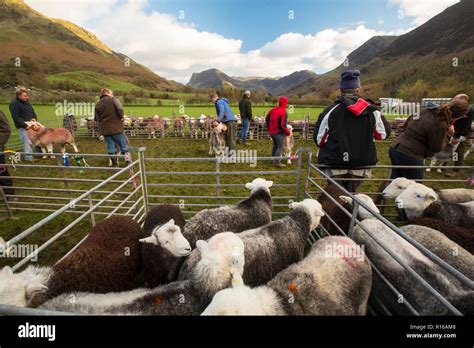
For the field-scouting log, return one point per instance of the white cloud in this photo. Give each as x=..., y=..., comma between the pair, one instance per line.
x=422, y=10
x=175, y=49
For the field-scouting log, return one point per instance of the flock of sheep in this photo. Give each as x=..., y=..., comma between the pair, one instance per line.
x=234, y=260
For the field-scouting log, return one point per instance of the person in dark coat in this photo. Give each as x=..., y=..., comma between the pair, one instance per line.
x=276, y=124
x=245, y=108
x=22, y=111
x=461, y=121
x=5, y=131
x=109, y=115
x=345, y=133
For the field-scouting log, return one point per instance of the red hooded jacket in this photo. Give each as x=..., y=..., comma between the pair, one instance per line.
x=277, y=117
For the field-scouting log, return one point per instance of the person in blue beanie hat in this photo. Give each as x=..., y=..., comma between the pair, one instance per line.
x=345, y=133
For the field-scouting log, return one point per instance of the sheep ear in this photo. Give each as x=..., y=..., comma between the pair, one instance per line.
x=249, y=186
x=7, y=270
x=346, y=199
x=202, y=246
x=293, y=205
x=269, y=183
x=431, y=195
x=151, y=240
x=32, y=289
x=171, y=222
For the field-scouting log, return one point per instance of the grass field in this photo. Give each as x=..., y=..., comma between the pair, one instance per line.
x=171, y=148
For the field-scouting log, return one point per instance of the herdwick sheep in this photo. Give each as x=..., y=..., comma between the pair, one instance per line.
x=417, y=200
x=337, y=214
x=107, y=260
x=163, y=254
x=273, y=247
x=18, y=289
x=443, y=247
x=460, y=235
x=160, y=261
x=411, y=290
x=457, y=195
x=221, y=257
x=334, y=279
x=441, y=158
x=252, y=212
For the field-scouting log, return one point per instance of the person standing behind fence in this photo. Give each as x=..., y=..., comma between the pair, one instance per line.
x=245, y=108
x=276, y=124
x=109, y=115
x=345, y=133
x=5, y=131
x=461, y=121
x=22, y=111
x=424, y=135
x=226, y=116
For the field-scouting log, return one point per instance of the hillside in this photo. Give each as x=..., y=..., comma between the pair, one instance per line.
x=49, y=49
x=414, y=65
x=214, y=78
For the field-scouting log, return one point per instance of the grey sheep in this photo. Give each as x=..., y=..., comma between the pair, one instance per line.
x=410, y=289
x=273, y=247
x=221, y=256
x=163, y=255
x=335, y=278
x=252, y=212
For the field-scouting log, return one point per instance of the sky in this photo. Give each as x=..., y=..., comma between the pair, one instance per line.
x=267, y=38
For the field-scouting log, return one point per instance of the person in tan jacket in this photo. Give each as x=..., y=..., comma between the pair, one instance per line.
x=109, y=114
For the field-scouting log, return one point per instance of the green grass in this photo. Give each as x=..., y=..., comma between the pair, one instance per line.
x=169, y=148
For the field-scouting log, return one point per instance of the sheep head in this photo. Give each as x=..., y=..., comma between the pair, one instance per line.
x=396, y=187
x=259, y=183
x=362, y=212
x=169, y=236
x=17, y=289
x=313, y=207
x=415, y=199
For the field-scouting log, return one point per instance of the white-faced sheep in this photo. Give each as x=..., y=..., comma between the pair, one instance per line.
x=337, y=214
x=443, y=247
x=252, y=212
x=107, y=260
x=221, y=257
x=18, y=289
x=273, y=247
x=335, y=278
x=419, y=200
x=410, y=288
x=456, y=195
x=163, y=252
x=460, y=235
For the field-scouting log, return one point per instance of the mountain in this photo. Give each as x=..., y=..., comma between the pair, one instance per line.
x=214, y=78
x=435, y=59
x=61, y=55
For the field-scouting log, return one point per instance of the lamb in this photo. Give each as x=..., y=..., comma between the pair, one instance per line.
x=457, y=195
x=107, y=260
x=417, y=200
x=460, y=235
x=271, y=248
x=221, y=257
x=163, y=253
x=337, y=214
x=441, y=158
x=334, y=279
x=411, y=290
x=443, y=247
x=288, y=144
x=217, y=138
x=252, y=212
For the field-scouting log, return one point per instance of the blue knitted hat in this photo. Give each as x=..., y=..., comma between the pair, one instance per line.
x=350, y=79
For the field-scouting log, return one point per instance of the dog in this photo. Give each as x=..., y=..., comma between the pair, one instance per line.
x=443, y=157
x=217, y=138
x=46, y=138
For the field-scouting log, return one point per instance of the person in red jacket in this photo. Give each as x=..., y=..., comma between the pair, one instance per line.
x=276, y=125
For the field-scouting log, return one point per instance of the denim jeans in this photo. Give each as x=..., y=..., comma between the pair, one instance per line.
x=118, y=139
x=398, y=159
x=245, y=129
x=277, y=148
x=26, y=143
